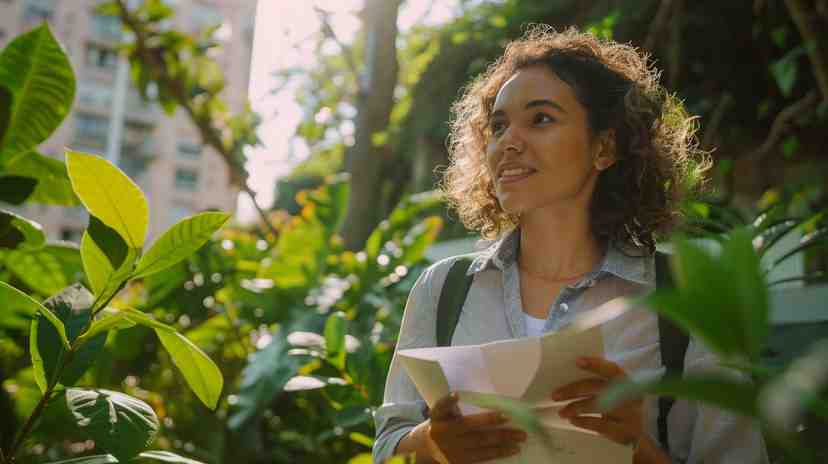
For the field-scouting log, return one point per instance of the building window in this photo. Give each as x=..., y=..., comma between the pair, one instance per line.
x=95, y=95
x=186, y=179
x=36, y=11
x=70, y=234
x=106, y=28
x=189, y=150
x=101, y=57
x=91, y=130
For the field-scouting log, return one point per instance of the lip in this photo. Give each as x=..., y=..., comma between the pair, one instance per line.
x=510, y=179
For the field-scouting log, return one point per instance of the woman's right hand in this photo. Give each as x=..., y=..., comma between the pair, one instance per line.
x=457, y=439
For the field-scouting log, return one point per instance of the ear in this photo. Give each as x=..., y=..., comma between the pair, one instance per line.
x=604, y=155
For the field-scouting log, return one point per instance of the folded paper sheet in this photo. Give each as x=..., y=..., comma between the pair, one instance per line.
x=527, y=369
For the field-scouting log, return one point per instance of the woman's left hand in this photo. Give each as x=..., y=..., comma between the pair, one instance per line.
x=623, y=424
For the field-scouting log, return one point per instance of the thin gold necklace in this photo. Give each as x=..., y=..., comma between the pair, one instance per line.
x=551, y=279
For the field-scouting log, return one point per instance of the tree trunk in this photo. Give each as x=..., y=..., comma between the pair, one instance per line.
x=364, y=161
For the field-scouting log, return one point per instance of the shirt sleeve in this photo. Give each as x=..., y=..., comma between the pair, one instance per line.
x=701, y=433
x=403, y=407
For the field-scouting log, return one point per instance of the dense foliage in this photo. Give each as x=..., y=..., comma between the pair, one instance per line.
x=246, y=346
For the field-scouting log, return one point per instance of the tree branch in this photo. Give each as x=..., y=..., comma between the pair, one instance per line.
x=347, y=53
x=658, y=24
x=813, y=43
x=781, y=125
x=210, y=134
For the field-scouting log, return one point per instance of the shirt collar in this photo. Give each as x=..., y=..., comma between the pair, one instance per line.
x=634, y=266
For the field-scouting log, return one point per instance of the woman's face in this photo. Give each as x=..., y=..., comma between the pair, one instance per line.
x=540, y=151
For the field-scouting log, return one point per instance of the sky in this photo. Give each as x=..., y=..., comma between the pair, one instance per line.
x=284, y=37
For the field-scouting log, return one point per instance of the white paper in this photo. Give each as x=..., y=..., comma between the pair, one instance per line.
x=528, y=369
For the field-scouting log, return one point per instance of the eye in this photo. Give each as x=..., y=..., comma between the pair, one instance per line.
x=542, y=118
x=497, y=127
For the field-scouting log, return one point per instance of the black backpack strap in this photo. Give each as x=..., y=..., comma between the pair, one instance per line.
x=673, y=344
x=452, y=296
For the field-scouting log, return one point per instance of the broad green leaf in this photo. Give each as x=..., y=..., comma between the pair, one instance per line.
x=12, y=297
x=53, y=185
x=733, y=395
x=119, y=424
x=97, y=459
x=108, y=241
x=14, y=190
x=200, y=372
x=72, y=306
x=47, y=270
x=263, y=378
x=741, y=264
x=6, y=100
x=166, y=456
x=335, y=328
x=36, y=70
x=179, y=242
x=110, y=195
x=95, y=264
x=17, y=231
x=117, y=279
x=108, y=319
x=146, y=320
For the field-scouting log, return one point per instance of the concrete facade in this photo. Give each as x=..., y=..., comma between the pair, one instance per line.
x=162, y=154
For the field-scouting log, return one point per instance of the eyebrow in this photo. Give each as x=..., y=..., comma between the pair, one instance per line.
x=535, y=104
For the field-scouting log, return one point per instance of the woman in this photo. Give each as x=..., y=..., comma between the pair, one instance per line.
x=570, y=154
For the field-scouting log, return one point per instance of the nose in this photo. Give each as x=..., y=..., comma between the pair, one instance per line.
x=511, y=141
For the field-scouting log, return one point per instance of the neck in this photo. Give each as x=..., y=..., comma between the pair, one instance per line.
x=558, y=244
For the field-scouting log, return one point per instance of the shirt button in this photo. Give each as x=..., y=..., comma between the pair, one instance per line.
x=564, y=307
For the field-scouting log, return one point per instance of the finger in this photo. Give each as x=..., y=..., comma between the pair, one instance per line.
x=488, y=438
x=586, y=387
x=490, y=453
x=585, y=406
x=486, y=419
x=445, y=408
x=601, y=367
x=608, y=428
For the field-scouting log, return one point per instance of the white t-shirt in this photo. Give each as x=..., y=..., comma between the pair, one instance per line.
x=534, y=326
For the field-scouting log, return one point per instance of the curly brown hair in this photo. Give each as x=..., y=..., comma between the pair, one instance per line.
x=658, y=161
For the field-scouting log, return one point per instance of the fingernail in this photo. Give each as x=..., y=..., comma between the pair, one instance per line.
x=582, y=362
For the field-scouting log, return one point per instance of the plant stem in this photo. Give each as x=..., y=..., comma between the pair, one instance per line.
x=41, y=405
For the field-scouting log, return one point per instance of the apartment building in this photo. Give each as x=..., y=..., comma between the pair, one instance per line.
x=162, y=154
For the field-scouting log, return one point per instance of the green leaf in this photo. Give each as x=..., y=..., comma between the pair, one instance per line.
x=166, y=456
x=72, y=307
x=733, y=395
x=95, y=263
x=47, y=270
x=262, y=379
x=335, y=329
x=108, y=241
x=785, y=70
x=53, y=185
x=522, y=414
x=16, y=189
x=790, y=146
x=109, y=319
x=17, y=231
x=200, y=372
x=119, y=424
x=742, y=268
x=6, y=100
x=146, y=320
x=110, y=196
x=179, y=242
x=38, y=73
x=97, y=459
x=12, y=297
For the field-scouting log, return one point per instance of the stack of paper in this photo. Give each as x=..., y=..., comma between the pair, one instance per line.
x=528, y=369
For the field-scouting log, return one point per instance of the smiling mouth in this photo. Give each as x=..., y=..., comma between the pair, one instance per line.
x=514, y=175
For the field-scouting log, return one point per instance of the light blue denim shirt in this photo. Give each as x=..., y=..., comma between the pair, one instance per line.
x=493, y=311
